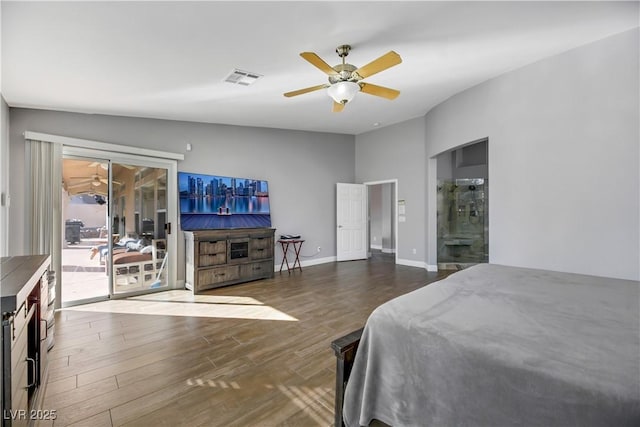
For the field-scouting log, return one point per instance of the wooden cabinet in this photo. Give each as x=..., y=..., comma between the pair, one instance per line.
x=25, y=309
x=224, y=257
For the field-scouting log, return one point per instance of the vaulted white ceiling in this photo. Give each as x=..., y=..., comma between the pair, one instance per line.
x=168, y=60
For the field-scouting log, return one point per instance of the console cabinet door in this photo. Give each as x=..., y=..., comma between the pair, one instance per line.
x=19, y=380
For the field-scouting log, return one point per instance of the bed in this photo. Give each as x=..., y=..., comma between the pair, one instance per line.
x=501, y=346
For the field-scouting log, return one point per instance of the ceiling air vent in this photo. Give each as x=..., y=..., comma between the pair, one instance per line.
x=244, y=78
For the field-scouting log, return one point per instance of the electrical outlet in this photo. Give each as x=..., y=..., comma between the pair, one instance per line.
x=319, y=248
x=414, y=251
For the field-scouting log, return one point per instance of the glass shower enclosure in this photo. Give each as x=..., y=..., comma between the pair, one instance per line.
x=463, y=223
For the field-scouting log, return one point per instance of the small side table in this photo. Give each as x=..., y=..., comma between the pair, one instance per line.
x=297, y=246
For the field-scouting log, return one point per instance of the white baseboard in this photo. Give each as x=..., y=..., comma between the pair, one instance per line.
x=411, y=263
x=317, y=261
x=419, y=264
x=383, y=250
x=307, y=263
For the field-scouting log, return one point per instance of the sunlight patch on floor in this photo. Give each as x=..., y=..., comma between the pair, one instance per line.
x=309, y=400
x=199, y=382
x=188, y=296
x=224, y=308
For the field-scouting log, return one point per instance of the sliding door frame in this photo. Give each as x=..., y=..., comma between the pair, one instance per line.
x=120, y=152
x=172, y=200
x=61, y=275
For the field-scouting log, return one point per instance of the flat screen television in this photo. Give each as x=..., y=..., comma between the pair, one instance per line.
x=209, y=202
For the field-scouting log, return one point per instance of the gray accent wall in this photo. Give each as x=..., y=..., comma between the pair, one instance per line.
x=398, y=152
x=302, y=167
x=563, y=159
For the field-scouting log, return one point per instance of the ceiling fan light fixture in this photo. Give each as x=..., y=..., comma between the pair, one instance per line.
x=96, y=182
x=344, y=91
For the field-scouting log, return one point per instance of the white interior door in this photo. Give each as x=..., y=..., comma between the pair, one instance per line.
x=351, y=207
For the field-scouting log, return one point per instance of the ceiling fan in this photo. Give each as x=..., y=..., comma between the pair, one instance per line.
x=88, y=190
x=95, y=180
x=104, y=165
x=345, y=79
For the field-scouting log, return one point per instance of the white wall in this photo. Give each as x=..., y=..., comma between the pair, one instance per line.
x=301, y=167
x=563, y=159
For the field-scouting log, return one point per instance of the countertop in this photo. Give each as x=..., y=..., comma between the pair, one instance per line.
x=18, y=276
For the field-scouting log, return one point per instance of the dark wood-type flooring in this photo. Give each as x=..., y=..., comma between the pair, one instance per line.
x=137, y=369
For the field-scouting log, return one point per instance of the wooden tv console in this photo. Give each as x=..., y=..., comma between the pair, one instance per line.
x=217, y=258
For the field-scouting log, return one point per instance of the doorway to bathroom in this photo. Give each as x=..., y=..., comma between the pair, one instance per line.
x=382, y=242
x=463, y=206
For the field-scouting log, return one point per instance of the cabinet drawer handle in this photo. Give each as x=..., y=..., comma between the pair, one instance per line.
x=33, y=372
x=46, y=331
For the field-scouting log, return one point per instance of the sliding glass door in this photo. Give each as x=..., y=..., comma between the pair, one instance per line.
x=139, y=255
x=125, y=235
x=85, y=212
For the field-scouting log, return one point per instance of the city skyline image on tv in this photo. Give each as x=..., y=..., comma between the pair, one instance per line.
x=215, y=201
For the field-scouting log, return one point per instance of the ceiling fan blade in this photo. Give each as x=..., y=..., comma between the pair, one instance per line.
x=319, y=63
x=77, y=185
x=387, y=60
x=305, y=90
x=106, y=181
x=376, y=90
x=337, y=107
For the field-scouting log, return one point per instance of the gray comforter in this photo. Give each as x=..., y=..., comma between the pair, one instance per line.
x=502, y=346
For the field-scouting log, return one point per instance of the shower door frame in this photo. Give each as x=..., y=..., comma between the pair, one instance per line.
x=432, y=204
